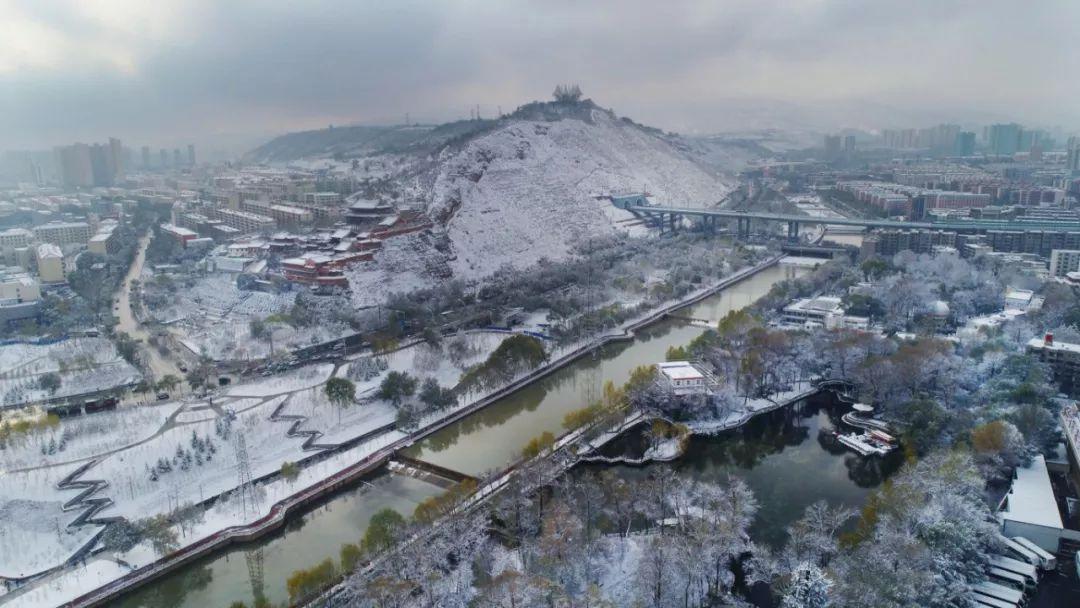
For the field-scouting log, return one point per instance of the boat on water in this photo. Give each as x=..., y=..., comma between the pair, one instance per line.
x=883, y=437
x=866, y=444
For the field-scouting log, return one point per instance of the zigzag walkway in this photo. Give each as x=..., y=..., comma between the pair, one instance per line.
x=298, y=421
x=83, y=499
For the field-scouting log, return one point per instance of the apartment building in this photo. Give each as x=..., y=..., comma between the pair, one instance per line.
x=106, y=240
x=243, y=221
x=1064, y=261
x=63, y=233
x=15, y=238
x=284, y=215
x=50, y=263
x=1063, y=358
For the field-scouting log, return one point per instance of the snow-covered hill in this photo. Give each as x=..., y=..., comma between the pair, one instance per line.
x=508, y=191
x=530, y=188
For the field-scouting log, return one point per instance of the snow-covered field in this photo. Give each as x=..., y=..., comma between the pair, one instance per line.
x=34, y=532
x=84, y=365
x=82, y=437
x=69, y=585
x=163, y=457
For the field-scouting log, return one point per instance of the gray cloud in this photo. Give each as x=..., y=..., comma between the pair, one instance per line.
x=174, y=70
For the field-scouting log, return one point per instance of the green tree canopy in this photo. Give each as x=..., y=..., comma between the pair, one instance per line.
x=340, y=391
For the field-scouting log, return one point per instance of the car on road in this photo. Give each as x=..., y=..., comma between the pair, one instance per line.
x=162, y=396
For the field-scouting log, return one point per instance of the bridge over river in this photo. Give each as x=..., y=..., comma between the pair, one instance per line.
x=662, y=216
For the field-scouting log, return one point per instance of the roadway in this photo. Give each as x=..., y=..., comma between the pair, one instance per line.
x=158, y=365
x=973, y=225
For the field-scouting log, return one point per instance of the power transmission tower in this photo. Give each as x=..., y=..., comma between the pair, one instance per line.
x=243, y=473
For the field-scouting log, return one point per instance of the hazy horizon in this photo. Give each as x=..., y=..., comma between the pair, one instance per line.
x=168, y=73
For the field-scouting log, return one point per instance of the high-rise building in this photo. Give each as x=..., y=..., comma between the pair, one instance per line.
x=889, y=138
x=909, y=138
x=964, y=144
x=944, y=137
x=1004, y=139
x=177, y=159
x=191, y=154
x=116, y=159
x=849, y=144
x=1031, y=138
x=832, y=146
x=146, y=157
x=1072, y=155
x=101, y=165
x=164, y=158
x=74, y=166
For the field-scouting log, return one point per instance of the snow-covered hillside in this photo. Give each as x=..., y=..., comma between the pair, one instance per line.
x=513, y=190
x=530, y=188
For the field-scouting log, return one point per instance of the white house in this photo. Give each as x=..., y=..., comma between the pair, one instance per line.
x=1021, y=299
x=682, y=378
x=822, y=311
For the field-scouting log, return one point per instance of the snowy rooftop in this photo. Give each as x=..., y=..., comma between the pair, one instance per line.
x=680, y=370
x=48, y=250
x=1055, y=345
x=995, y=319
x=1031, y=499
x=1023, y=295
x=818, y=304
x=366, y=203
x=64, y=225
x=178, y=230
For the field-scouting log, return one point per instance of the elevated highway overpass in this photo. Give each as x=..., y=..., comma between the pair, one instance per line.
x=669, y=216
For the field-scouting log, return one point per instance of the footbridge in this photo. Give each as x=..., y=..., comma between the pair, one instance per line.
x=670, y=217
x=428, y=471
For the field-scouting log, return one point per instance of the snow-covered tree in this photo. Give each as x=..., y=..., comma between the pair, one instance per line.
x=809, y=588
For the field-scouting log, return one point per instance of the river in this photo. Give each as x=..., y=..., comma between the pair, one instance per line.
x=495, y=435
x=221, y=579
x=483, y=441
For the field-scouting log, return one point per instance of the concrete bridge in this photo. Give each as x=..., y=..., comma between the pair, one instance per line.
x=670, y=217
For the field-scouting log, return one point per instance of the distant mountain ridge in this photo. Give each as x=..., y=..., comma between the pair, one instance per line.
x=358, y=141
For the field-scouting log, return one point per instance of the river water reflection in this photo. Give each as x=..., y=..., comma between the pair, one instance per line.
x=305, y=541
x=495, y=435
x=788, y=459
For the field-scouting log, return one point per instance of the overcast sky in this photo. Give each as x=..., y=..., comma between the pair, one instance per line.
x=165, y=72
